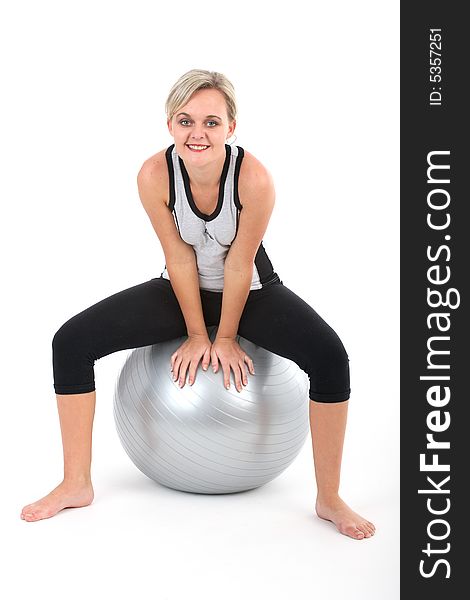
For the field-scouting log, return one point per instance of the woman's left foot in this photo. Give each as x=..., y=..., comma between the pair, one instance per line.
x=346, y=520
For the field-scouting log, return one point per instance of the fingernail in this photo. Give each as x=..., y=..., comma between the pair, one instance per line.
x=228, y=386
x=204, y=368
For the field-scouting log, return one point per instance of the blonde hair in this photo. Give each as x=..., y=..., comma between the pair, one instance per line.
x=199, y=79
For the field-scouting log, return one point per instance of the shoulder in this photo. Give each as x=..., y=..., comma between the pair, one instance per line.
x=252, y=171
x=153, y=174
x=254, y=179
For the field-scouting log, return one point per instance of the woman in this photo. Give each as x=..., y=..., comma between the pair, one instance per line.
x=209, y=203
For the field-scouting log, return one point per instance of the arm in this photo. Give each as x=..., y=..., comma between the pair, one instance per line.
x=185, y=282
x=237, y=283
x=152, y=182
x=257, y=196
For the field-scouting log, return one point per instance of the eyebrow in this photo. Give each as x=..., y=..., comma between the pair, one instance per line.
x=188, y=115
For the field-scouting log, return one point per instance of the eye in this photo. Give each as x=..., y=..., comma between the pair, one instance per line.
x=184, y=122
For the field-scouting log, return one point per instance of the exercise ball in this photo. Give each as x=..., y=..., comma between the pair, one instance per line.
x=204, y=438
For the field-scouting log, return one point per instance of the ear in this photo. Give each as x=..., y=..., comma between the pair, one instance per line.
x=170, y=126
x=231, y=128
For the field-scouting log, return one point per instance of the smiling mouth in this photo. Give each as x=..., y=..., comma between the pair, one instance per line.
x=197, y=147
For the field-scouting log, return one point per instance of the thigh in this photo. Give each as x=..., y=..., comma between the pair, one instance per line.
x=141, y=315
x=278, y=320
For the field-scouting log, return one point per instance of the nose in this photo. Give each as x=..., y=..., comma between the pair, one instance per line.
x=197, y=133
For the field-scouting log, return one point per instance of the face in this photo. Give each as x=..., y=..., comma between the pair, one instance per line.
x=201, y=127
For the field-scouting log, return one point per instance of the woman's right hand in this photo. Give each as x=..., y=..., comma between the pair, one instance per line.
x=188, y=355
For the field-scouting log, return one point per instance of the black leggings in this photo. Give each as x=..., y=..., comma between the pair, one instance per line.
x=273, y=317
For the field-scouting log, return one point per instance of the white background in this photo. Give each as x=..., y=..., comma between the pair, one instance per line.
x=84, y=85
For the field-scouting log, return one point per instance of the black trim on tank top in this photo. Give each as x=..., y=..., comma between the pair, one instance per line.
x=220, y=199
x=177, y=224
x=236, y=174
x=264, y=266
x=172, y=192
x=171, y=177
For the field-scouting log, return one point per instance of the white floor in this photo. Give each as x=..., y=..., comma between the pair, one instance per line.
x=141, y=540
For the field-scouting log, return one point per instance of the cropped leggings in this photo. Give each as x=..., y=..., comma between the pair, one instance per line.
x=273, y=317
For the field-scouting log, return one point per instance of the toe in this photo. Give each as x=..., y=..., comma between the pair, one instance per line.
x=358, y=534
x=362, y=527
x=35, y=515
x=353, y=531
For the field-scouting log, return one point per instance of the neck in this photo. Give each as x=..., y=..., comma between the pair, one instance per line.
x=207, y=175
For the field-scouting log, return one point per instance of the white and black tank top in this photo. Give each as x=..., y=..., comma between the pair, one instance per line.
x=211, y=235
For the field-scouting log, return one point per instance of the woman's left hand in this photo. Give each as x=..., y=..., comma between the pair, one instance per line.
x=231, y=356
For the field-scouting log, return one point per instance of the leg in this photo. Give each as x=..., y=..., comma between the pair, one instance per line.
x=139, y=316
x=76, y=413
x=278, y=320
x=328, y=425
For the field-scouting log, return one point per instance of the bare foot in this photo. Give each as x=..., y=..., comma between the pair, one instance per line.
x=65, y=495
x=346, y=520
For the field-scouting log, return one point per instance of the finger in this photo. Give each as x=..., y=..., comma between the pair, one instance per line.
x=172, y=360
x=215, y=362
x=243, y=372
x=182, y=377
x=206, y=359
x=237, y=377
x=250, y=364
x=192, y=371
x=176, y=368
x=226, y=369
x=177, y=371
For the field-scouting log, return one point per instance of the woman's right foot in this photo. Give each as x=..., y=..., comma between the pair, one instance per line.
x=65, y=495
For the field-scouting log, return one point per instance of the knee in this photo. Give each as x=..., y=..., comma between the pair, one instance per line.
x=332, y=363
x=73, y=359
x=72, y=344
x=327, y=353
x=62, y=337
x=328, y=371
x=71, y=335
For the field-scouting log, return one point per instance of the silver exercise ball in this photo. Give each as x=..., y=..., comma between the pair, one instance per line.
x=204, y=438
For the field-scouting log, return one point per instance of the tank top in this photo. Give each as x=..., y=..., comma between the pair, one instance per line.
x=212, y=235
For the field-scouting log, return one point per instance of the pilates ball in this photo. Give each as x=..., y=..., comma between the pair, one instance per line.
x=204, y=438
